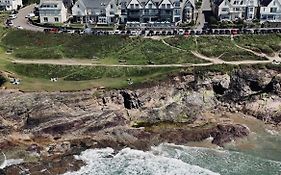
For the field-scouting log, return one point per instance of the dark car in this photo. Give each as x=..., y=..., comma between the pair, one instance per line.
x=204, y=32
x=142, y=32
x=270, y=31
x=192, y=32
x=221, y=32
x=47, y=30
x=198, y=32
x=163, y=32
x=150, y=33
x=263, y=31
x=216, y=32
x=256, y=31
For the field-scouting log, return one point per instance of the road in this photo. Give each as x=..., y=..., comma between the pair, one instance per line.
x=206, y=6
x=23, y=22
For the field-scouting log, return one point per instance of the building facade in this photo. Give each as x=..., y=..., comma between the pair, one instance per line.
x=96, y=11
x=142, y=11
x=9, y=5
x=158, y=11
x=52, y=11
x=270, y=10
x=235, y=9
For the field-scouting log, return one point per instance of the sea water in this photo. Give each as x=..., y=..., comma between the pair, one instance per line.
x=170, y=159
x=260, y=156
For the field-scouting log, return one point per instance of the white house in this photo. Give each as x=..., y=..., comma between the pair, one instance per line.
x=270, y=10
x=95, y=11
x=52, y=11
x=10, y=4
x=235, y=9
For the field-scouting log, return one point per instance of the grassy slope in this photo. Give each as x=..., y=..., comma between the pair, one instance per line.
x=88, y=76
x=213, y=47
x=267, y=44
x=107, y=49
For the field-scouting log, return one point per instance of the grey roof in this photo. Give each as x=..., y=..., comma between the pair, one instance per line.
x=218, y=2
x=51, y=4
x=265, y=2
x=98, y=4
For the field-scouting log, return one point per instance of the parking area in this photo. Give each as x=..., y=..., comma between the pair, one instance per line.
x=165, y=32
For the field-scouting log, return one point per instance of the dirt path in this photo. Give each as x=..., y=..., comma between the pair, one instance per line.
x=211, y=60
x=69, y=62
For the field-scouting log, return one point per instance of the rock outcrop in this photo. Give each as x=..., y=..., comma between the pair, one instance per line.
x=184, y=109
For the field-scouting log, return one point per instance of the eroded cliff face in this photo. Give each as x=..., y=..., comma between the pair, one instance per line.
x=184, y=108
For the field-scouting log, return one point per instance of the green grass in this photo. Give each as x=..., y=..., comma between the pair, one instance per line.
x=218, y=46
x=79, y=73
x=38, y=45
x=37, y=76
x=140, y=51
x=105, y=49
x=182, y=42
x=267, y=44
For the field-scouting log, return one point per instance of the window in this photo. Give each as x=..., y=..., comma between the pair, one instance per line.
x=241, y=3
x=78, y=5
x=55, y=5
x=274, y=3
x=163, y=6
x=150, y=6
x=111, y=6
x=251, y=9
x=45, y=19
x=131, y=6
x=224, y=9
x=146, y=12
x=168, y=6
x=56, y=19
x=273, y=10
x=137, y=6
x=235, y=2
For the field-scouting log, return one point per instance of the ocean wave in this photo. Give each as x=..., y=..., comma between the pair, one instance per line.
x=130, y=162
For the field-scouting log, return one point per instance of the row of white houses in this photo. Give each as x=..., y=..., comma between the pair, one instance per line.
x=117, y=11
x=265, y=10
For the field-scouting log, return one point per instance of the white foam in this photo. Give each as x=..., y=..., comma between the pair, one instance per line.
x=272, y=132
x=130, y=162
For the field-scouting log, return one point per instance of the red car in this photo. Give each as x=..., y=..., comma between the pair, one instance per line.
x=234, y=32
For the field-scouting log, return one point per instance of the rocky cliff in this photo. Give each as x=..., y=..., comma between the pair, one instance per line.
x=51, y=127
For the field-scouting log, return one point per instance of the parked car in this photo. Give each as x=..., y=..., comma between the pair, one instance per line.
x=181, y=32
x=198, y=32
x=20, y=27
x=30, y=15
x=13, y=16
x=47, y=30
x=234, y=31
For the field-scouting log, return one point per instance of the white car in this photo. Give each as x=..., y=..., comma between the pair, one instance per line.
x=20, y=27
x=30, y=15
x=13, y=16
